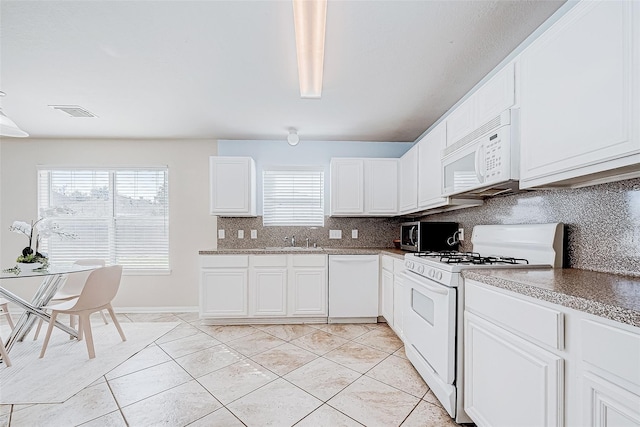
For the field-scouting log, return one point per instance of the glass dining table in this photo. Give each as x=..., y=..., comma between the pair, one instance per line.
x=52, y=279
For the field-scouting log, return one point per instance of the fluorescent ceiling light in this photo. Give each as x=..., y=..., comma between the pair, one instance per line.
x=310, y=19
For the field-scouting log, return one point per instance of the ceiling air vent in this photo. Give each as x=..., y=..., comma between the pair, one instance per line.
x=73, y=110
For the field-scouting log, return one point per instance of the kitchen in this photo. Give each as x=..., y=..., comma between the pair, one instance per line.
x=601, y=220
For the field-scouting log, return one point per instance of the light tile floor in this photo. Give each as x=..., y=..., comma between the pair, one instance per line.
x=258, y=375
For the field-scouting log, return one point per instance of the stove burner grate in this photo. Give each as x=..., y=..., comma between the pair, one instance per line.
x=454, y=257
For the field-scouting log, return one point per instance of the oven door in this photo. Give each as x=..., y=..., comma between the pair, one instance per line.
x=430, y=323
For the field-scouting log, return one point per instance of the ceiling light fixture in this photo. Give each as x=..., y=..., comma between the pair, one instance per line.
x=310, y=20
x=293, y=137
x=8, y=126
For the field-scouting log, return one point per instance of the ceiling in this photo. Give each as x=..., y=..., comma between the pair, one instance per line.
x=227, y=69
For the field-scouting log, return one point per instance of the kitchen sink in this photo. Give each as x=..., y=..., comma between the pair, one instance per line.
x=291, y=248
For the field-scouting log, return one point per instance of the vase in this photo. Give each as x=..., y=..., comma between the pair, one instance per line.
x=28, y=266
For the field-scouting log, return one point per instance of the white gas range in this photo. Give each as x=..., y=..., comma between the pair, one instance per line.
x=434, y=299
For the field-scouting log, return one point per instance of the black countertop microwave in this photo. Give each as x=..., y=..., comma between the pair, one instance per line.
x=424, y=236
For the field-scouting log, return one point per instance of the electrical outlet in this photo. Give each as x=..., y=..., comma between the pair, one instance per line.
x=220, y=234
x=461, y=234
x=240, y=234
x=335, y=234
x=254, y=234
x=354, y=234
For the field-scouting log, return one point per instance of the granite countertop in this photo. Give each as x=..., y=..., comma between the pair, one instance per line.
x=607, y=295
x=397, y=253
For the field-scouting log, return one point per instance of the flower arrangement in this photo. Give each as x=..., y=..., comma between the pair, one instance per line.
x=43, y=227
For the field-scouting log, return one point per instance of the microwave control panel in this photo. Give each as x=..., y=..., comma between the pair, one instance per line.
x=493, y=157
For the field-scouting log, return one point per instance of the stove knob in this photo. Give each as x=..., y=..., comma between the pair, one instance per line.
x=421, y=269
x=406, y=264
x=439, y=275
x=431, y=273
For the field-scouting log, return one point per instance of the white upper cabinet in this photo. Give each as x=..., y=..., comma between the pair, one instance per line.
x=347, y=187
x=408, y=186
x=233, y=186
x=495, y=96
x=364, y=187
x=429, y=168
x=492, y=98
x=381, y=186
x=580, y=97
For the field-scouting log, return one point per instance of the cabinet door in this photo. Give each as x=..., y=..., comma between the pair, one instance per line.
x=223, y=293
x=347, y=187
x=509, y=381
x=409, y=181
x=495, y=96
x=580, y=87
x=607, y=405
x=232, y=186
x=460, y=122
x=308, y=292
x=381, y=186
x=398, y=305
x=430, y=168
x=387, y=296
x=268, y=292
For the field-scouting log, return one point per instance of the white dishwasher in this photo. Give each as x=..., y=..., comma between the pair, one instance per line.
x=353, y=288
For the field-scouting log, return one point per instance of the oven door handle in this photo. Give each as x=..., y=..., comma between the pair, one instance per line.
x=442, y=290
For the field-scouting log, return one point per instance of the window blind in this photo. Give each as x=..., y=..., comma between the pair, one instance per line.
x=119, y=215
x=293, y=197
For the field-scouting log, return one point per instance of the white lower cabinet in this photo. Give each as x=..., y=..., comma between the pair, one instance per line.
x=399, y=297
x=610, y=375
x=268, y=285
x=386, y=289
x=255, y=288
x=510, y=381
x=308, y=285
x=224, y=286
x=533, y=363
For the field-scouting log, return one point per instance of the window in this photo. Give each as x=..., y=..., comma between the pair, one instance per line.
x=293, y=197
x=119, y=215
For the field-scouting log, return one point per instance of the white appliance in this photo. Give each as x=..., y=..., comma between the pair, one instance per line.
x=353, y=288
x=484, y=163
x=434, y=298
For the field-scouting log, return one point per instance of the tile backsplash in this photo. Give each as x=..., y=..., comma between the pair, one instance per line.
x=602, y=222
x=602, y=225
x=372, y=233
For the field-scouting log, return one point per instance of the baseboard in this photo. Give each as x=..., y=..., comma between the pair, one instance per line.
x=353, y=320
x=264, y=321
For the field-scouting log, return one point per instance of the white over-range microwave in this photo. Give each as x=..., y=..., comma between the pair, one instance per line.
x=486, y=162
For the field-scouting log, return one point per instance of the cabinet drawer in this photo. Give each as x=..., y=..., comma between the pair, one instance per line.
x=387, y=263
x=542, y=324
x=308, y=260
x=268, y=261
x=224, y=261
x=603, y=347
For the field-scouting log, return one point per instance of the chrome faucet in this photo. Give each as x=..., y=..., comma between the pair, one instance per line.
x=293, y=240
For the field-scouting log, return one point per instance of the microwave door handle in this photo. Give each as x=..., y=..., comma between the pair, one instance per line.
x=479, y=162
x=411, y=233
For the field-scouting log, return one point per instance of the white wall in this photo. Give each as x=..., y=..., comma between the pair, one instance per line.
x=191, y=227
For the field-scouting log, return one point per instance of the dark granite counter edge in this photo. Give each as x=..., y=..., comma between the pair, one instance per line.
x=597, y=308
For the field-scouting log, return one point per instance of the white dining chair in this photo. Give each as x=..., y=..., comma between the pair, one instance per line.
x=98, y=292
x=71, y=289
x=3, y=354
x=4, y=311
